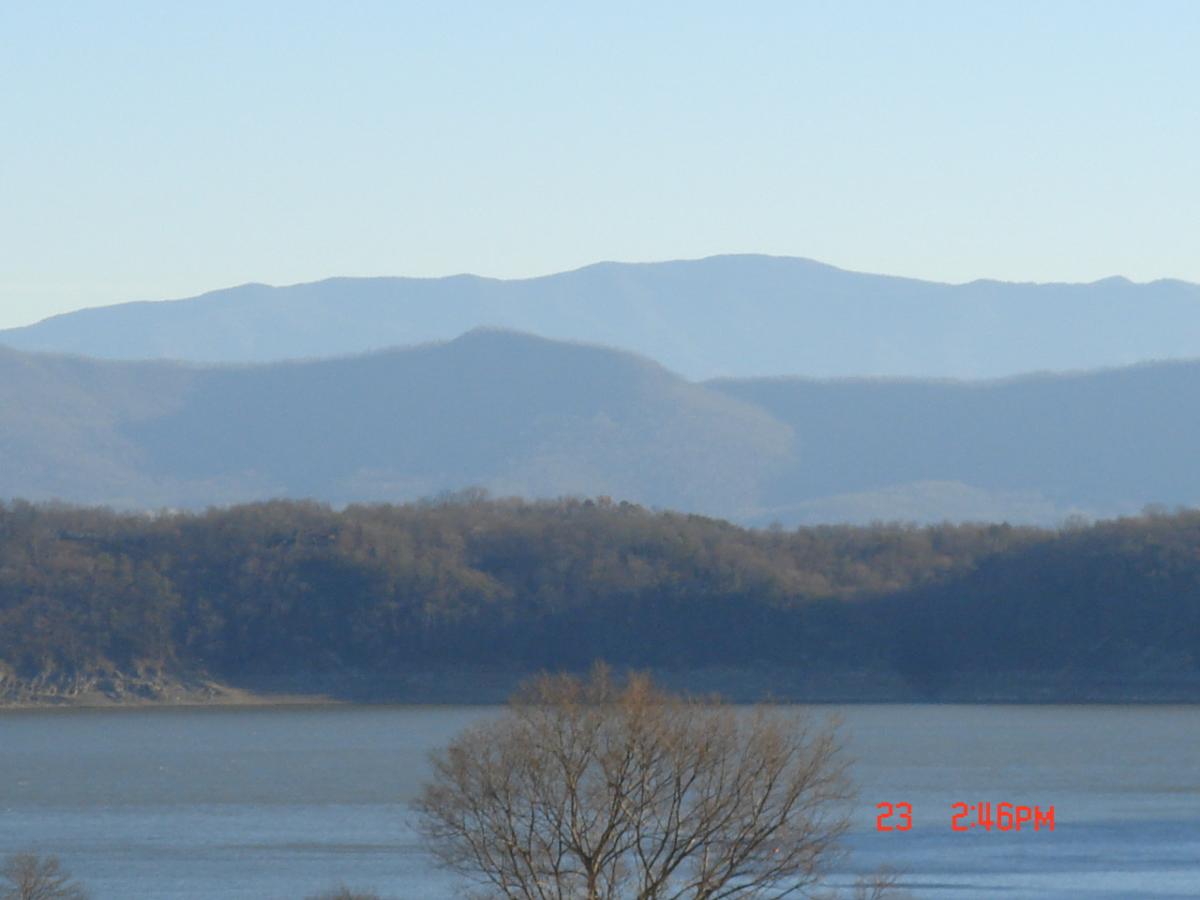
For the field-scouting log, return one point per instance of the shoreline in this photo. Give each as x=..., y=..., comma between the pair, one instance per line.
x=493, y=686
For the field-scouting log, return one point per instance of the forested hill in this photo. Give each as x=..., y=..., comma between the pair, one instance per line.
x=292, y=590
x=722, y=316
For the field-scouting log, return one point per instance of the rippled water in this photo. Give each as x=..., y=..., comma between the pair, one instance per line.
x=284, y=802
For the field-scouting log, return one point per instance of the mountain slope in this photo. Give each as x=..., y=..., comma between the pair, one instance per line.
x=1099, y=443
x=526, y=416
x=517, y=414
x=721, y=316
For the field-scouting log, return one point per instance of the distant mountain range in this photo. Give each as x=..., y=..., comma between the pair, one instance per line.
x=734, y=316
x=522, y=415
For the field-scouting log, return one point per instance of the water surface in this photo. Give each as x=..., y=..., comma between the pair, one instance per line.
x=283, y=802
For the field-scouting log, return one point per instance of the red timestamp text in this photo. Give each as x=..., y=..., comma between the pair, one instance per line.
x=971, y=816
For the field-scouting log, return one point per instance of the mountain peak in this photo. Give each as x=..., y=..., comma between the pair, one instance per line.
x=730, y=315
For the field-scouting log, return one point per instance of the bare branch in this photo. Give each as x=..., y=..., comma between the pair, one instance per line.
x=27, y=876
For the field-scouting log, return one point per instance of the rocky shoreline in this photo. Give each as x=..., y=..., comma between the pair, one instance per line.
x=144, y=687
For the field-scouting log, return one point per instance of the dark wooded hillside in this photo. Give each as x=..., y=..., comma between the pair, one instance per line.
x=283, y=587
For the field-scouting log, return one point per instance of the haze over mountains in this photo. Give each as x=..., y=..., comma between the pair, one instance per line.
x=731, y=316
x=527, y=416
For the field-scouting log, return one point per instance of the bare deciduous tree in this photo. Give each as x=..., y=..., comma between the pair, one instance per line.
x=344, y=893
x=27, y=876
x=589, y=790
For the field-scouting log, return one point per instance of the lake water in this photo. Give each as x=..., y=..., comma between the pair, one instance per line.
x=285, y=802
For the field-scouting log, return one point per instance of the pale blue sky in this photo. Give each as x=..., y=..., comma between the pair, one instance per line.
x=159, y=149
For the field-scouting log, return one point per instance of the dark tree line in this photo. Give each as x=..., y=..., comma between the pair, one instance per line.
x=295, y=586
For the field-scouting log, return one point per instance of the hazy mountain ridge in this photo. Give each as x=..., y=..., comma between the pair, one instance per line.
x=527, y=416
x=1103, y=441
x=521, y=415
x=721, y=316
